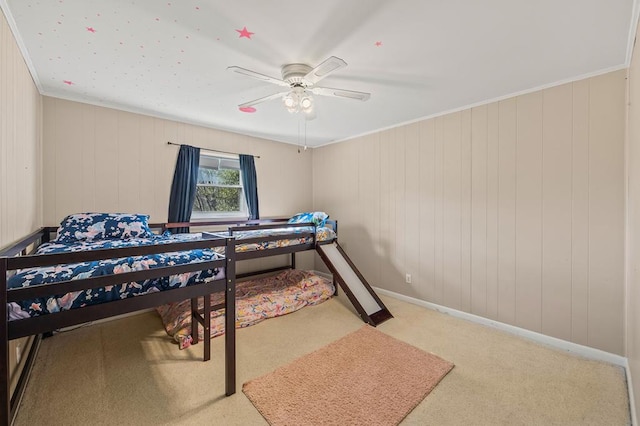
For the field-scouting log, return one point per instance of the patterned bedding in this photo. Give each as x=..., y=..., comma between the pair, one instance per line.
x=256, y=300
x=322, y=234
x=57, y=273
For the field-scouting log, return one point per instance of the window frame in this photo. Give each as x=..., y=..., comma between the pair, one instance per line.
x=242, y=214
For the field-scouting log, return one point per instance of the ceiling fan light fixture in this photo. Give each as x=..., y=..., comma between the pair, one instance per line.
x=301, y=80
x=298, y=100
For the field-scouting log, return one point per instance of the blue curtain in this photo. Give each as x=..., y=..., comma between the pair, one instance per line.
x=250, y=182
x=183, y=188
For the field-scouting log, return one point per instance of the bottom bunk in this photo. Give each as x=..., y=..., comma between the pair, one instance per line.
x=256, y=300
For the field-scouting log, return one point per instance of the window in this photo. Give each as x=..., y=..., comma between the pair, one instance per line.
x=219, y=192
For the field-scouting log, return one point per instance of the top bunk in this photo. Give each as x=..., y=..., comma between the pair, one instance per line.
x=54, y=283
x=100, y=265
x=268, y=237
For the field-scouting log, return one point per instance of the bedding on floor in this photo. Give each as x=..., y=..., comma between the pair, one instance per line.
x=256, y=300
x=77, y=299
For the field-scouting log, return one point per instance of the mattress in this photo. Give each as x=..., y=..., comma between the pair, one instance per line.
x=322, y=234
x=256, y=300
x=78, y=299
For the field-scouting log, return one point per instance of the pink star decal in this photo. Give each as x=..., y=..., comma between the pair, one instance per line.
x=245, y=33
x=247, y=109
x=68, y=82
x=91, y=29
x=378, y=43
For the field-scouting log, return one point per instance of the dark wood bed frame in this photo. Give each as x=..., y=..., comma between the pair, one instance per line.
x=233, y=226
x=17, y=256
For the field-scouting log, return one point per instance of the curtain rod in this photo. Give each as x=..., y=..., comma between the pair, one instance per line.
x=213, y=150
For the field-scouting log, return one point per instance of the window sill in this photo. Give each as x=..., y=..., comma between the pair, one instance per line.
x=220, y=218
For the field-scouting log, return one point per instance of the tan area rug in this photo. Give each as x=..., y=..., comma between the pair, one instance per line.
x=364, y=378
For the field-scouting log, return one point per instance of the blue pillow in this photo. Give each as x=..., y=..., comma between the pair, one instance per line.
x=317, y=218
x=100, y=226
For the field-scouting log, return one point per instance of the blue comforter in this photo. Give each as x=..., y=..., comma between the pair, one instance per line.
x=57, y=273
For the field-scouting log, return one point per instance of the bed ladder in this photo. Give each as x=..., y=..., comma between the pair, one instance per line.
x=364, y=299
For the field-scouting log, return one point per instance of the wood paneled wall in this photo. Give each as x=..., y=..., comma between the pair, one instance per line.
x=102, y=159
x=20, y=159
x=633, y=227
x=105, y=160
x=512, y=211
x=20, y=143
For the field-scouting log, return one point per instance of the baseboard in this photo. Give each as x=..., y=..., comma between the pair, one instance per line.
x=574, y=348
x=322, y=274
x=632, y=400
x=25, y=375
x=103, y=320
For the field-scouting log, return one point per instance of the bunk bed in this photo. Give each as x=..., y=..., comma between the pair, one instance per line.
x=48, y=285
x=231, y=241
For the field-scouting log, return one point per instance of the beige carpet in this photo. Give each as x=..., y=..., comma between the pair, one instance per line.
x=364, y=378
x=129, y=372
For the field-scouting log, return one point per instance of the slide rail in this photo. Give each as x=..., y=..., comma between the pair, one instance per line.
x=367, y=303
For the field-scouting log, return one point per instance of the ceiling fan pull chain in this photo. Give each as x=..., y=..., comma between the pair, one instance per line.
x=298, y=136
x=305, y=133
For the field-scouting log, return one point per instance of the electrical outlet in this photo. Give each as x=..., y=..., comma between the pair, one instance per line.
x=407, y=278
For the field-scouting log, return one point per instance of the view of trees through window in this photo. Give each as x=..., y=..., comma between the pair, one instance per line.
x=219, y=189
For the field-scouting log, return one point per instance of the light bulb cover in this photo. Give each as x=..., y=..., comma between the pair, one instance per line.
x=306, y=102
x=289, y=101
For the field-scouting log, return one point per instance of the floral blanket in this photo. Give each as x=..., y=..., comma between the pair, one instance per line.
x=256, y=300
x=322, y=234
x=77, y=299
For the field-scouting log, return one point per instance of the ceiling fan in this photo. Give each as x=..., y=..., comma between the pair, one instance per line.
x=300, y=80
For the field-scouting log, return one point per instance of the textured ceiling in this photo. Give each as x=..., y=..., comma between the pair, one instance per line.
x=417, y=58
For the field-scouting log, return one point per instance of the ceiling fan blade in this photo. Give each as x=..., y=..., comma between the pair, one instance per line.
x=266, y=98
x=324, y=69
x=340, y=93
x=258, y=76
